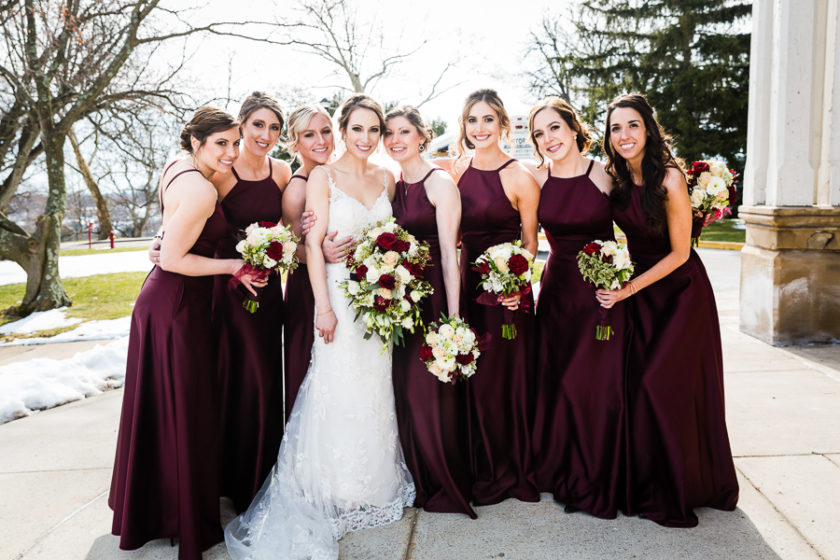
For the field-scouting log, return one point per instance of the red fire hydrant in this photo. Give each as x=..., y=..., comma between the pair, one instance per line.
x=111, y=238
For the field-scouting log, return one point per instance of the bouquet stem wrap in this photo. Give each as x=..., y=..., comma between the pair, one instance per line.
x=509, y=331
x=252, y=302
x=603, y=330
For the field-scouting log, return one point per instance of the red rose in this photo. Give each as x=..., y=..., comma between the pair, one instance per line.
x=416, y=269
x=275, y=250
x=592, y=248
x=482, y=267
x=518, y=264
x=401, y=246
x=386, y=240
x=426, y=353
x=733, y=196
x=699, y=167
x=380, y=304
x=387, y=281
x=464, y=359
x=361, y=271
x=267, y=224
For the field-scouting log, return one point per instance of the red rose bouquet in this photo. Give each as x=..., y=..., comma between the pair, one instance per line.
x=505, y=271
x=607, y=265
x=711, y=189
x=451, y=349
x=386, y=280
x=267, y=248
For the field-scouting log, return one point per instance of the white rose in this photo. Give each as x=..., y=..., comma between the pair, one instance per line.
x=438, y=352
x=353, y=287
x=268, y=262
x=696, y=198
x=415, y=296
x=447, y=331
x=240, y=247
x=501, y=264
x=405, y=306
x=408, y=324
x=403, y=274
x=431, y=338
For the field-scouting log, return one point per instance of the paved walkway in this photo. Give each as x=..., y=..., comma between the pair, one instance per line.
x=783, y=408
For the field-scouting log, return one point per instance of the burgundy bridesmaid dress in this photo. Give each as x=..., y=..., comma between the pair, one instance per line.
x=427, y=410
x=500, y=394
x=579, y=422
x=299, y=331
x=679, y=447
x=165, y=480
x=250, y=352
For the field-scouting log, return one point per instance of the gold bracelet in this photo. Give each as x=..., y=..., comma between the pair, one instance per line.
x=325, y=312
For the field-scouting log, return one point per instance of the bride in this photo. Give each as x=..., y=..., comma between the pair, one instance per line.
x=340, y=467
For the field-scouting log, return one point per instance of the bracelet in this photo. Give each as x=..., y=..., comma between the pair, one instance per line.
x=324, y=312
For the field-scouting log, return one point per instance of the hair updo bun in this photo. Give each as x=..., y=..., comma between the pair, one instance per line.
x=205, y=121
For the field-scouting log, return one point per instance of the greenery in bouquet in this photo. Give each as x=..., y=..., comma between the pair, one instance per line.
x=267, y=247
x=386, y=282
x=505, y=271
x=606, y=265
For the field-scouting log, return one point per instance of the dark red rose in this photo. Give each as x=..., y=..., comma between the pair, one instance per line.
x=592, y=248
x=354, y=276
x=401, y=246
x=361, y=271
x=699, y=167
x=380, y=304
x=386, y=240
x=387, y=281
x=416, y=269
x=426, y=353
x=482, y=267
x=275, y=250
x=267, y=224
x=464, y=359
x=733, y=196
x=518, y=264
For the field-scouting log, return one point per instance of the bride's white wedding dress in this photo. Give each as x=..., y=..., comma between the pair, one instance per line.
x=340, y=467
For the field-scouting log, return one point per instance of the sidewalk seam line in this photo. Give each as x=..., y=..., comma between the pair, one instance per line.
x=410, y=547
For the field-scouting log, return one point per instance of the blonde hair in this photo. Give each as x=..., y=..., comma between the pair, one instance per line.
x=491, y=97
x=412, y=115
x=569, y=115
x=299, y=121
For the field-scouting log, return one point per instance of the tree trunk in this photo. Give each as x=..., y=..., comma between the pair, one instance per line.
x=102, y=212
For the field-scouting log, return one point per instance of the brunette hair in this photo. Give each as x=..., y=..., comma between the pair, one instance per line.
x=412, y=114
x=205, y=121
x=260, y=100
x=299, y=120
x=491, y=97
x=569, y=115
x=657, y=159
x=359, y=101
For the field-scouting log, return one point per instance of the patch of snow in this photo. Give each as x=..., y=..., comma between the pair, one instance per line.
x=92, y=330
x=43, y=383
x=38, y=321
x=83, y=265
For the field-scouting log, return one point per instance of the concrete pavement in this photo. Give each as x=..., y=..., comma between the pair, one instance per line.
x=783, y=411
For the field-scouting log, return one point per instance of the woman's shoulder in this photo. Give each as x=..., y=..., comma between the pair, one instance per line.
x=674, y=179
x=599, y=176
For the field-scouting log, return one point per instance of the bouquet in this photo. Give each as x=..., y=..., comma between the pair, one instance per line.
x=451, y=349
x=607, y=265
x=505, y=271
x=711, y=188
x=267, y=248
x=386, y=280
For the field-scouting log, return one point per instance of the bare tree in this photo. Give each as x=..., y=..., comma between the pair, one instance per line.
x=102, y=212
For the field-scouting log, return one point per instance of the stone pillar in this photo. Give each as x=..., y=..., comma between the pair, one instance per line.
x=790, y=265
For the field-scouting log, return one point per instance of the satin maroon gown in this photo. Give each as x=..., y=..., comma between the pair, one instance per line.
x=500, y=394
x=165, y=480
x=428, y=410
x=679, y=447
x=250, y=352
x=299, y=331
x=579, y=423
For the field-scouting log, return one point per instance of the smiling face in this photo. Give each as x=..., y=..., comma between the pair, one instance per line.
x=554, y=137
x=628, y=134
x=316, y=143
x=362, y=133
x=218, y=152
x=260, y=132
x=402, y=140
x=482, y=126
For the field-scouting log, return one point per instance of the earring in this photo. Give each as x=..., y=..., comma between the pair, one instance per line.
x=422, y=147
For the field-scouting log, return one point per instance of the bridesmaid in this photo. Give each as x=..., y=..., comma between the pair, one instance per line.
x=679, y=447
x=427, y=204
x=499, y=198
x=165, y=480
x=579, y=424
x=250, y=352
x=311, y=141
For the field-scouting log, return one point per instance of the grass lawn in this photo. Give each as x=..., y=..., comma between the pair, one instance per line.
x=77, y=252
x=98, y=297
x=731, y=230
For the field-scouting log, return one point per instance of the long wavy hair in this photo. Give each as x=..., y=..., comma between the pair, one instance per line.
x=657, y=159
x=491, y=97
x=569, y=115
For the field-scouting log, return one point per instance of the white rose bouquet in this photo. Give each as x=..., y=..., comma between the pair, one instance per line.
x=386, y=281
x=267, y=248
x=607, y=265
x=451, y=349
x=711, y=188
x=505, y=271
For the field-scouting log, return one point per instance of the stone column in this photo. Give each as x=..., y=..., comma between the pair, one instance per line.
x=790, y=265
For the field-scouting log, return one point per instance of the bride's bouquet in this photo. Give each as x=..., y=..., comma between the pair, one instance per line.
x=386, y=280
x=267, y=248
x=505, y=271
x=607, y=265
x=451, y=349
x=711, y=188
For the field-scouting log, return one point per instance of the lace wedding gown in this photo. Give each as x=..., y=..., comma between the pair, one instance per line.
x=340, y=467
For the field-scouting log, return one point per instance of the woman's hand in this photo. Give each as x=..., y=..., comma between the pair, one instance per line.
x=511, y=302
x=325, y=323
x=154, y=251
x=307, y=222
x=336, y=251
x=253, y=279
x=608, y=298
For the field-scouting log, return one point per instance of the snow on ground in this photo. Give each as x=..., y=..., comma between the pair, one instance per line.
x=38, y=321
x=83, y=265
x=55, y=318
x=43, y=383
